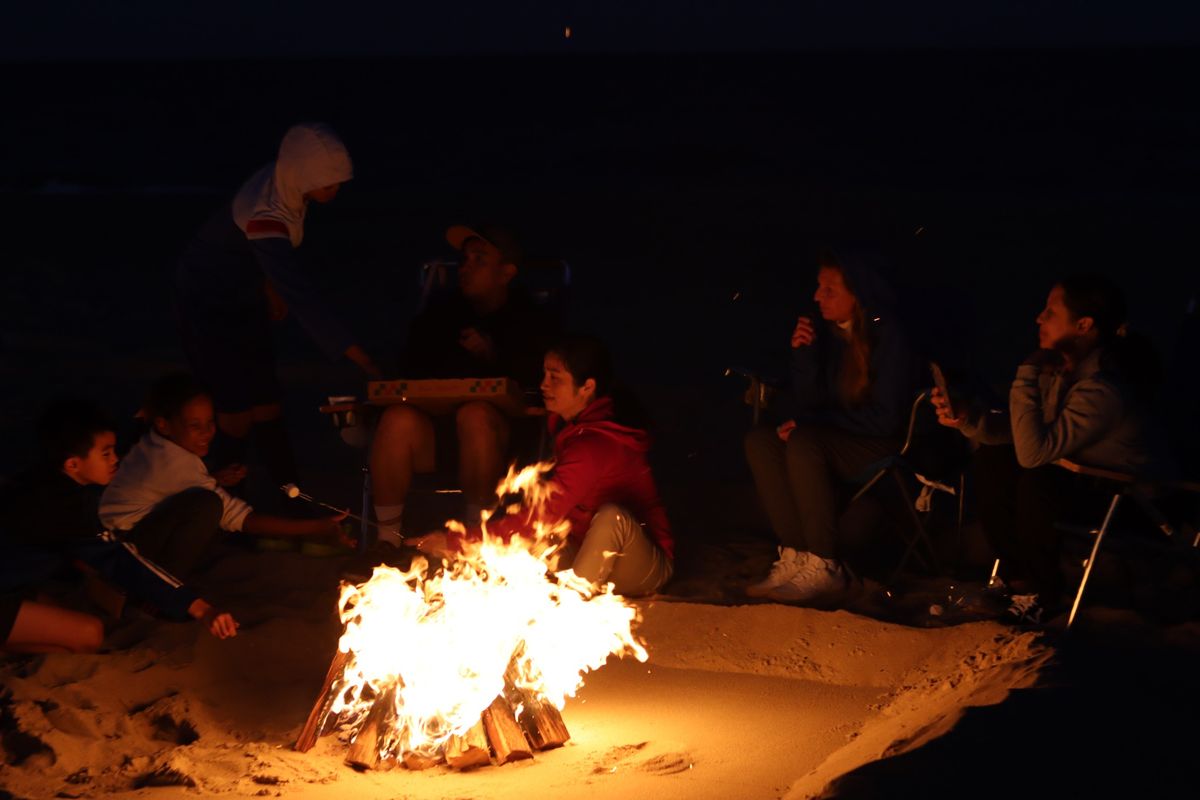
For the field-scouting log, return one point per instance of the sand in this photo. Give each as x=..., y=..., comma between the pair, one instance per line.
x=757, y=700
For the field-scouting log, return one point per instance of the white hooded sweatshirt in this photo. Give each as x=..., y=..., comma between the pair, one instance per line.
x=271, y=204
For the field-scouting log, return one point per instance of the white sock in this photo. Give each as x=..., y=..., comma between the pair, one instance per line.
x=389, y=530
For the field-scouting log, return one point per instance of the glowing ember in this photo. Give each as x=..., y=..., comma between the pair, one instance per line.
x=443, y=636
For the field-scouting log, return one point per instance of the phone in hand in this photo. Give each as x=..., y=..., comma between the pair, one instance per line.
x=939, y=380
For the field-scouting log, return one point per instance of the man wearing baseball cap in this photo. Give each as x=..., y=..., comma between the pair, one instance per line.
x=486, y=326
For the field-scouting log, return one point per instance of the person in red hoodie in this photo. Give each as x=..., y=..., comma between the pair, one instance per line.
x=604, y=488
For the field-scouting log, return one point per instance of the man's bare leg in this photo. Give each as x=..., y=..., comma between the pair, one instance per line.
x=403, y=444
x=483, y=435
x=43, y=628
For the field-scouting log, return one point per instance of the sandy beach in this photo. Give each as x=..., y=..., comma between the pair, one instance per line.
x=676, y=189
x=754, y=700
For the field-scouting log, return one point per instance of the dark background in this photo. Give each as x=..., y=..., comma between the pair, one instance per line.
x=687, y=164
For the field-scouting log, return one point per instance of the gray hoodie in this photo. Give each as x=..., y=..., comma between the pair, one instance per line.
x=1084, y=415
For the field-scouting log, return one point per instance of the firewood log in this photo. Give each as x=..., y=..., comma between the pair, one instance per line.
x=364, y=750
x=415, y=761
x=320, y=710
x=470, y=749
x=540, y=720
x=504, y=732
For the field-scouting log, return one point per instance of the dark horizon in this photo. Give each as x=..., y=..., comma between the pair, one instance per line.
x=866, y=51
x=225, y=29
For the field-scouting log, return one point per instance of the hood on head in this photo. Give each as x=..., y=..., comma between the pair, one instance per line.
x=863, y=269
x=311, y=156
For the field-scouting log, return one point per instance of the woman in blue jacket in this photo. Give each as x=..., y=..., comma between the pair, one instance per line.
x=853, y=377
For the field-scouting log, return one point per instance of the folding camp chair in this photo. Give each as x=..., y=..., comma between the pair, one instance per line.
x=915, y=462
x=1125, y=486
x=930, y=466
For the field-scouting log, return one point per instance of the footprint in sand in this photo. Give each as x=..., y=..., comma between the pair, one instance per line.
x=617, y=756
x=18, y=747
x=667, y=764
x=630, y=756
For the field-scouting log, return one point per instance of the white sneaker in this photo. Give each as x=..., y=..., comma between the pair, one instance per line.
x=789, y=562
x=817, y=578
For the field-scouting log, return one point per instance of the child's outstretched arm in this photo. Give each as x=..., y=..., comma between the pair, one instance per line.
x=220, y=624
x=270, y=525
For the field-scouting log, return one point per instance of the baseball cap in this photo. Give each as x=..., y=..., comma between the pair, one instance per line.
x=500, y=238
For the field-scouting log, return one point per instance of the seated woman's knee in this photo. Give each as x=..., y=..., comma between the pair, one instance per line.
x=612, y=519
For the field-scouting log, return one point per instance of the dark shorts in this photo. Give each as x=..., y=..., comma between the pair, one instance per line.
x=232, y=354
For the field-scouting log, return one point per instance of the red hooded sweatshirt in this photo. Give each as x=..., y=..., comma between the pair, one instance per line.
x=598, y=461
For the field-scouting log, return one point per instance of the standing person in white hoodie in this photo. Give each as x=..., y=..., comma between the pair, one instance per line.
x=164, y=500
x=240, y=273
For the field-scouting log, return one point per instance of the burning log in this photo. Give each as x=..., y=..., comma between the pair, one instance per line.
x=470, y=749
x=320, y=710
x=504, y=732
x=416, y=761
x=543, y=725
x=364, y=750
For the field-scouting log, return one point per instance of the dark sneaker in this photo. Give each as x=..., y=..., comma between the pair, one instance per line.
x=1024, y=609
x=359, y=567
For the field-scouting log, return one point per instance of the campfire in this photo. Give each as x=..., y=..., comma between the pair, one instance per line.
x=469, y=660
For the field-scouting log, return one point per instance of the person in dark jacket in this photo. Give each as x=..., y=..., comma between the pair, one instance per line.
x=601, y=486
x=853, y=378
x=49, y=522
x=485, y=327
x=240, y=272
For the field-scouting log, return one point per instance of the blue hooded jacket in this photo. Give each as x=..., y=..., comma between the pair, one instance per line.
x=895, y=371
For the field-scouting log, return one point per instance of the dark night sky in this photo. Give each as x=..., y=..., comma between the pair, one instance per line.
x=120, y=29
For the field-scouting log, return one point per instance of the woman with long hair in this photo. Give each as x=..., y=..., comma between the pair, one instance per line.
x=853, y=377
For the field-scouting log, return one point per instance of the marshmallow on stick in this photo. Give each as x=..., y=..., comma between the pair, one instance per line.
x=293, y=491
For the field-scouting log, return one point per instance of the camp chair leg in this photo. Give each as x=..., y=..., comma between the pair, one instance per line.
x=962, y=494
x=366, y=533
x=919, y=534
x=1087, y=569
x=866, y=487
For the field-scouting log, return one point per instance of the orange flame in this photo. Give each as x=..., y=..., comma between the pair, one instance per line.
x=444, y=637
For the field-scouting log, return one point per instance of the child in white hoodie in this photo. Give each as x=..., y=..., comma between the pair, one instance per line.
x=163, y=498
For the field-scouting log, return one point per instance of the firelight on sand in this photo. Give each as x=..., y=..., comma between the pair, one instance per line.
x=443, y=638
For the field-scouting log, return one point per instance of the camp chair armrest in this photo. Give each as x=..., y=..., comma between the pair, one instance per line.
x=1094, y=472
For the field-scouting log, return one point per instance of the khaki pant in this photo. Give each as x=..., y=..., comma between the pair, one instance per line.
x=617, y=550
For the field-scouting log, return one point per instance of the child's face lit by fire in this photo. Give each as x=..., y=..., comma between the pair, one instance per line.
x=100, y=463
x=192, y=428
x=559, y=391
